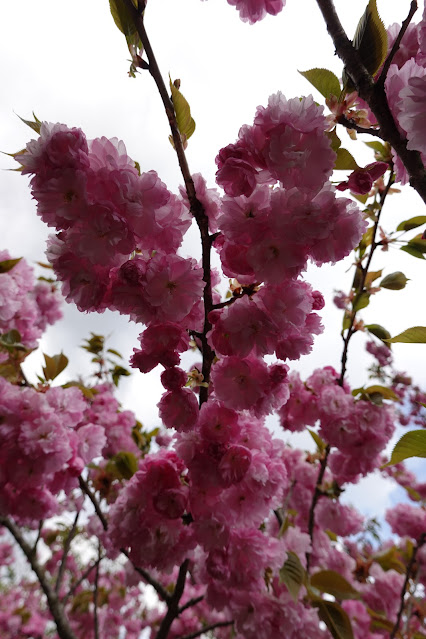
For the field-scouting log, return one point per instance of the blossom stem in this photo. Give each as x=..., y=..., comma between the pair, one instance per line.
x=396, y=44
x=315, y=498
x=196, y=207
x=375, y=96
x=410, y=565
x=67, y=545
x=55, y=606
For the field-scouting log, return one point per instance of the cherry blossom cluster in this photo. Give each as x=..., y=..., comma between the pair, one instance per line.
x=25, y=305
x=46, y=440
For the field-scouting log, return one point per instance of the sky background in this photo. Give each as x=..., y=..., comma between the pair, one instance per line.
x=68, y=63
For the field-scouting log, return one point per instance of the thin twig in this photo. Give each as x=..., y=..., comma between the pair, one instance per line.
x=420, y=543
x=350, y=124
x=317, y=494
x=34, y=548
x=190, y=603
x=161, y=592
x=96, y=595
x=80, y=581
x=198, y=633
x=67, y=546
x=364, y=272
x=404, y=27
x=55, y=606
x=85, y=488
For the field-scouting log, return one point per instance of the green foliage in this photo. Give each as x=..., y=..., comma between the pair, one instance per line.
x=325, y=81
x=361, y=301
x=414, y=335
x=122, y=16
x=54, y=366
x=335, y=618
x=185, y=122
x=334, y=584
x=378, y=331
x=292, y=574
x=371, y=41
x=416, y=247
x=35, y=124
x=394, y=281
x=412, y=444
x=7, y=265
x=345, y=161
x=412, y=223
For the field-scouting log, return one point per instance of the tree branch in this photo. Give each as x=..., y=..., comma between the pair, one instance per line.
x=315, y=498
x=80, y=580
x=85, y=488
x=396, y=44
x=173, y=603
x=67, y=546
x=420, y=543
x=198, y=633
x=375, y=96
x=55, y=606
x=190, y=603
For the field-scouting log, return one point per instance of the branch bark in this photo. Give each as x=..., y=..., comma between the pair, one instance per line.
x=375, y=96
x=55, y=606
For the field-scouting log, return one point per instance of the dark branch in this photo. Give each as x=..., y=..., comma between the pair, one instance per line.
x=85, y=488
x=67, y=545
x=315, y=498
x=55, y=606
x=375, y=96
x=173, y=603
x=198, y=633
x=350, y=124
x=190, y=603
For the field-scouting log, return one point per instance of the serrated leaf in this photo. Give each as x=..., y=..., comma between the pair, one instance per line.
x=12, y=341
x=321, y=445
x=345, y=161
x=335, y=618
x=117, y=372
x=394, y=281
x=418, y=243
x=114, y=352
x=292, y=574
x=386, y=393
x=412, y=223
x=7, y=265
x=412, y=444
x=412, y=251
x=34, y=125
x=388, y=560
x=371, y=41
x=378, y=331
x=123, y=17
x=54, y=365
x=325, y=81
x=414, y=335
x=185, y=122
x=334, y=584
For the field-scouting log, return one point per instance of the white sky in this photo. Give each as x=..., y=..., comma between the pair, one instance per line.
x=68, y=63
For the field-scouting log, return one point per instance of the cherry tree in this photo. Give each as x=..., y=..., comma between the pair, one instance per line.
x=212, y=524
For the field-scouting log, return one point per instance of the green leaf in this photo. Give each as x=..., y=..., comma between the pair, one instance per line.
x=412, y=251
x=54, y=365
x=378, y=331
x=335, y=618
x=321, y=445
x=394, y=281
x=324, y=81
x=376, y=146
x=114, y=352
x=126, y=463
x=123, y=17
x=417, y=243
x=334, y=584
x=7, y=265
x=412, y=444
x=335, y=141
x=361, y=301
x=414, y=335
x=185, y=122
x=412, y=223
x=292, y=574
x=371, y=41
x=345, y=161
x=117, y=372
x=35, y=126
x=384, y=391
x=371, y=277
x=12, y=341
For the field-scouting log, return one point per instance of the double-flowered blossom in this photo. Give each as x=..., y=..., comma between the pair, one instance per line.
x=25, y=305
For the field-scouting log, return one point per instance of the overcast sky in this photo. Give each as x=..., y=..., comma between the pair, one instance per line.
x=68, y=63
